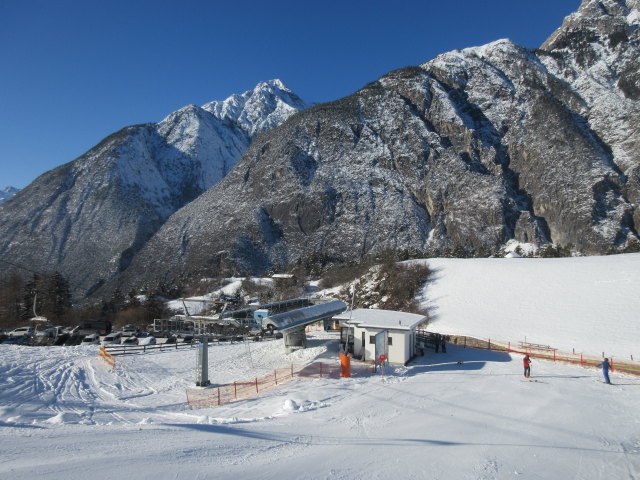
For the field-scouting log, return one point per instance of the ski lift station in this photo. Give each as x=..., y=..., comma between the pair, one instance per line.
x=361, y=326
x=287, y=317
x=291, y=324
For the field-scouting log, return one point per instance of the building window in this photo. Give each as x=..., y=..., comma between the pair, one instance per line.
x=372, y=339
x=390, y=341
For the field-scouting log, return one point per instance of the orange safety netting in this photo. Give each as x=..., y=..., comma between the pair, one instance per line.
x=215, y=396
x=547, y=353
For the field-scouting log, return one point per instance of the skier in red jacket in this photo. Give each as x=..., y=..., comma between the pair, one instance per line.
x=527, y=366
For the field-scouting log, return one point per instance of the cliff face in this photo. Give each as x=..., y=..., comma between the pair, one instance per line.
x=597, y=53
x=472, y=149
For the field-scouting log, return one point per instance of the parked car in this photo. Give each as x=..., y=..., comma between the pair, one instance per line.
x=45, y=336
x=101, y=327
x=130, y=341
x=61, y=339
x=74, y=339
x=92, y=339
x=21, y=331
x=129, y=330
x=60, y=330
x=19, y=339
x=149, y=340
x=51, y=332
x=113, y=338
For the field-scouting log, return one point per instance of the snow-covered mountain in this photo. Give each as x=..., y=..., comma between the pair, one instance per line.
x=258, y=110
x=468, y=151
x=89, y=217
x=7, y=193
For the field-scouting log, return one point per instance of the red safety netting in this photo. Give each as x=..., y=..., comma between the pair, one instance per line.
x=210, y=397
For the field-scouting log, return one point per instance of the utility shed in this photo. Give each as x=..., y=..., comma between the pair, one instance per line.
x=400, y=337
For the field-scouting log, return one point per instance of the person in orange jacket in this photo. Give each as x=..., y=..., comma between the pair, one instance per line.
x=527, y=366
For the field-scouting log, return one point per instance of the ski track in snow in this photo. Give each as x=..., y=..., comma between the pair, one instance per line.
x=431, y=419
x=434, y=418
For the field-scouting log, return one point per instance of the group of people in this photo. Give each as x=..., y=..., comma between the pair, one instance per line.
x=440, y=342
x=605, y=366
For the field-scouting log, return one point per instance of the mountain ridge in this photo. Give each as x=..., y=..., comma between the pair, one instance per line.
x=472, y=149
x=469, y=151
x=101, y=208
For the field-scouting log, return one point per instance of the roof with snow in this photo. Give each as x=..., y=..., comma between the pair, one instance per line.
x=307, y=315
x=375, y=318
x=282, y=275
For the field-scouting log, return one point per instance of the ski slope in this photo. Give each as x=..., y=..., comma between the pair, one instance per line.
x=466, y=414
x=590, y=304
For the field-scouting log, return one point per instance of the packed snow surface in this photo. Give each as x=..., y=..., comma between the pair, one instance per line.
x=466, y=414
x=590, y=304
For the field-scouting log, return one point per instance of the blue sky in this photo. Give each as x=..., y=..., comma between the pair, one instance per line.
x=72, y=72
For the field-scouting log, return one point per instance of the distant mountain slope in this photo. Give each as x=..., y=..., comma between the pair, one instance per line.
x=89, y=217
x=469, y=150
x=7, y=193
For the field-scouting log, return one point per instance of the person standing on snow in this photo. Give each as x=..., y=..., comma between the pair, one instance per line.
x=527, y=366
x=605, y=370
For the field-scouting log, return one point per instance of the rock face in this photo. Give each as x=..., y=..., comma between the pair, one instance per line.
x=472, y=149
x=88, y=218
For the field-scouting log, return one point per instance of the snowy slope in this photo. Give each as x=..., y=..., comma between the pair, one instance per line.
x=434, y=419
x=587, y=303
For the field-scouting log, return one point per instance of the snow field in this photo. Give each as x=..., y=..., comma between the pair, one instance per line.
x=466, y=414
x=589, y=304
x=432, y=419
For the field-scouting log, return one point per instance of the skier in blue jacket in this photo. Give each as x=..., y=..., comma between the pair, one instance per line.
x=605, y=370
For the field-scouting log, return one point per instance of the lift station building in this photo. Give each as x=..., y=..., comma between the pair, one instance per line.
x=361, y=326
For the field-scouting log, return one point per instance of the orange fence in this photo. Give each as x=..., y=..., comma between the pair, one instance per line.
x=107, y=357
x=211, y=397
x=547, y=353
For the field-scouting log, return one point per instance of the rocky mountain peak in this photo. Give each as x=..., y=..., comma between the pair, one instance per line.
x=88, y=218
x=260, y=109
x=608, y=22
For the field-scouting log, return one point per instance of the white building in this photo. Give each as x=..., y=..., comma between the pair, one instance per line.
x=400, y=328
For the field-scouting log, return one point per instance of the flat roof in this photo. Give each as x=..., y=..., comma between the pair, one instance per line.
x=375, y=318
